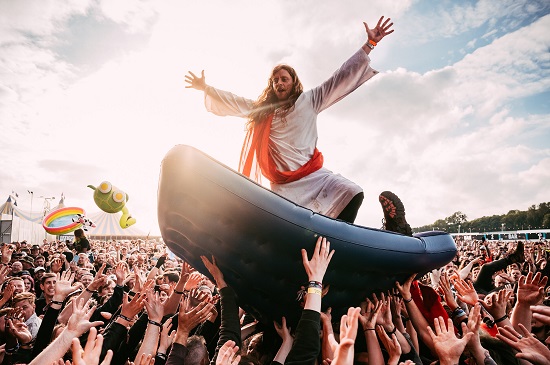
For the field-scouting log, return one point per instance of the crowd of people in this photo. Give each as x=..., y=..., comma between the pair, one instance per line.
x=109, y=302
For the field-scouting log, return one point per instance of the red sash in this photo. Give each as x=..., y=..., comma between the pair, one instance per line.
x=255, y=154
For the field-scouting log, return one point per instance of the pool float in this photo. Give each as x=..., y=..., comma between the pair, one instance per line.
x=111, y=199
x=63, y=220
x=206, y=208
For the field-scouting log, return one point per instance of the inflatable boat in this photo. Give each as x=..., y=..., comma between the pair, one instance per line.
x=206, y=208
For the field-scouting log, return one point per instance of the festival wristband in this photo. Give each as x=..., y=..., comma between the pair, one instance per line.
x=314, y=291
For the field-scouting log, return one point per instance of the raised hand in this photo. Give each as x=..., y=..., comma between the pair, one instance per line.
x=63, y=285
x=541, y=313
x=195, y=82
x=369, y=314
x=166, y=337
x=529, y=347
x=91, y=352
x=121, y=272
x=155, y=309
x=7, y=252
x=496, y=303
x=18, y=329
x=189, y=319
x=446, y=344
x=215, y=271
x=391, y=344
x=381, y=30
x=466, y=292
x=405, y=289
x=228, y=354
x=317, y=266
x=133, y=307
x=348, y=333
x=193, y=280
x=531, y=288
x=283, y=331
x=79, y=321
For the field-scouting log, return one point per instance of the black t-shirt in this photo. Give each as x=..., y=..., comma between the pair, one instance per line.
x=82, y=245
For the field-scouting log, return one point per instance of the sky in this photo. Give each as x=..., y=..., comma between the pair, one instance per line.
x=458, y=119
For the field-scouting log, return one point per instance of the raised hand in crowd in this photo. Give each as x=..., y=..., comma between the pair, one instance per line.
x=368, y=317
x=541, y=313
x=190, y=317
x=155, y=312
x=529, y=347
x=4, y=273
x=446, y=345
x=77, y=325
x=228, y=354
x=16, y=327
x=284, y=332
x=328, y=341
x=415, y=315
x=9, y=290
x=480, y=354
x=465, y=291
x=530, y=292
x=7, y=252
x=121, y=272
x=166, y=337
x=92, y=350
x=344, y=351
x=215, y=271
x=496, y=305
x=316, y=269
x=390, y=343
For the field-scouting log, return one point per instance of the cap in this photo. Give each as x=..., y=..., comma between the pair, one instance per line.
x=482, y=248
x=38, y=268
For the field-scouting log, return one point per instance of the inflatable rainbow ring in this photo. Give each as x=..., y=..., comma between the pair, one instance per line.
x=60, y=221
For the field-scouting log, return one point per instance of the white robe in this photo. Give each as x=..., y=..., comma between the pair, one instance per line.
x=294, y=137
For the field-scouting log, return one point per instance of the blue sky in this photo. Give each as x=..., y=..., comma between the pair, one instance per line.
x=457, y=119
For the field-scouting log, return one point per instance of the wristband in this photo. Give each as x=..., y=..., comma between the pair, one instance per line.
x=13, y=350
x=181, y=292
x=162, y=356
x=91, y=291
x=56, y=302
x=369, y=45
x=125, y=318
x=154, y=323
x=501, y=319
x=392, y=331
x=408, y=300
x=369, y=329
x=314, y=291
x=458, y=312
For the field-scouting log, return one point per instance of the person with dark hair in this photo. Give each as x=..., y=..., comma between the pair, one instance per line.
x=81, y=243
x=282, y=130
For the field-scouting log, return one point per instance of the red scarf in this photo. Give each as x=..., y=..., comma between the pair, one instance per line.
x=256, y=144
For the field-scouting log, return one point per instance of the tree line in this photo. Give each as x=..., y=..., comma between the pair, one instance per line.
x=535, y=217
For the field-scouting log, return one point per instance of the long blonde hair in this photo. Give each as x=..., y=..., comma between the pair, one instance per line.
x=267, y=102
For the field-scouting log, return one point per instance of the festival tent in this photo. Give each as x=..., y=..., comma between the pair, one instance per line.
x=108, y=228
x=19, y=225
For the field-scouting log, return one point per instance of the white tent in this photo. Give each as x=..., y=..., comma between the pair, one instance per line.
x=19, y=225
x=108, y=227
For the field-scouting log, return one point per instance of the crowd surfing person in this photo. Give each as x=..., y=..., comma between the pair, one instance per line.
x=282, y=134
x=140, y=307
